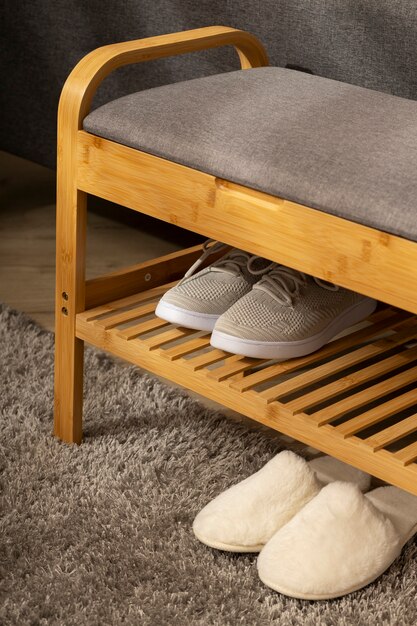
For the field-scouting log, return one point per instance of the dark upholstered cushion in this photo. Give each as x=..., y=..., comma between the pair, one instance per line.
x=343, y=149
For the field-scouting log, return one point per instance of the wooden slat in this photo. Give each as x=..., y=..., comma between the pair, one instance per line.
x=382, y=464
x=186, y=348
x=377, y=414
x=207, y=358
x=353, y=380
x=170, y=335
x=408, y=454
x=384, y=319
x=361, y=398
x=393, y=433
x=232, y=367
x=93, y=314
x=126, y=316
x=337, y=365
x=140, y=329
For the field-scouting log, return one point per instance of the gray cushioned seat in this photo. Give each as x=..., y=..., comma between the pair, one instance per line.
x=343, y=149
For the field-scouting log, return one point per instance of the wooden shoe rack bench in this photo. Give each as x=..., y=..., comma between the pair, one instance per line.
x=355, y=399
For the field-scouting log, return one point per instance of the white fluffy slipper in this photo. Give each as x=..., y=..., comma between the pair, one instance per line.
x=244, y=517
x=341, y=541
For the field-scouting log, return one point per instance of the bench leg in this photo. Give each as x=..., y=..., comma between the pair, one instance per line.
x=70, y=299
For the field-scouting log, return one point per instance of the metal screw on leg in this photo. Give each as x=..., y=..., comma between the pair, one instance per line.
x=64, y=310
x=65, y=295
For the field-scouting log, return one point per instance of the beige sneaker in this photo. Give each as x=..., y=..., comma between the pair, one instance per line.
x=288, y=314
x=199, y=299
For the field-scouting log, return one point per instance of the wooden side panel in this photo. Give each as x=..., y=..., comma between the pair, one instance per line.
x=143, y=276
x=357, y=257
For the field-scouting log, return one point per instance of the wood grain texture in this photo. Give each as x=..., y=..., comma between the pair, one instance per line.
x=71, y=225
x=393, y=433
x=408, y=454
x=74, y=105
x=352, y=255
x=353, y=380
x=176, y=354
x=142, y=276
x=380, y=412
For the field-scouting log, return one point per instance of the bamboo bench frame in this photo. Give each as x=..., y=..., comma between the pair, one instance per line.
x=352, y=255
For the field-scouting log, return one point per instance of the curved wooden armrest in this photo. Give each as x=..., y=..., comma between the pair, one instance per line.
x=83, y=81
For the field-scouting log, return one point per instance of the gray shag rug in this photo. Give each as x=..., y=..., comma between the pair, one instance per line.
x=101, y=534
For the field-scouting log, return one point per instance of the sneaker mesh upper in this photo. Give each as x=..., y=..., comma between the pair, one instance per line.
x=213, y=290
x=211, y=286
x=259, y=316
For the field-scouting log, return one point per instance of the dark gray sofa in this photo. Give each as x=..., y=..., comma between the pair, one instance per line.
x=371, y=43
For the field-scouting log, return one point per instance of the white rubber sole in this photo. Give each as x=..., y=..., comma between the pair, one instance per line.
x=188, y=319
x=291, y=349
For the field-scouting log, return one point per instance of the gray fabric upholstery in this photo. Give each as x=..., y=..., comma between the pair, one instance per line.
x=371, y=43
x=343, y=149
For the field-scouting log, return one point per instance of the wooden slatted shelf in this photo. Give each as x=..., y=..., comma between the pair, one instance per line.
x=326, y=399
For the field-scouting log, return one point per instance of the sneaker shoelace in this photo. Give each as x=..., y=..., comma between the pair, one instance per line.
x=284, y=283
x=234, y=262
x=210, y=246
